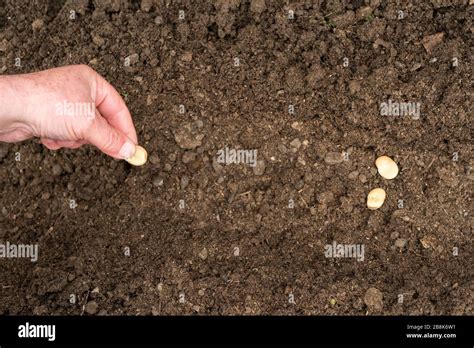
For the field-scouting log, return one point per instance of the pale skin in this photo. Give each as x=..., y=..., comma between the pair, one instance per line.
x=32, y=105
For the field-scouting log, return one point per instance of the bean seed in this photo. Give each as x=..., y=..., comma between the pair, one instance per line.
x=139, y=158
x=387, y=167
x=375, y=198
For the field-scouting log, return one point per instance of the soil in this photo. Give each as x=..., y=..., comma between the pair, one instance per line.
x=185, y=234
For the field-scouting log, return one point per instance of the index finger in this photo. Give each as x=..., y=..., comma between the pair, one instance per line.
x=112, y=107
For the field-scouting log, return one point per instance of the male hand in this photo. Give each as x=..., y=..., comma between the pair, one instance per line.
x=66, y=107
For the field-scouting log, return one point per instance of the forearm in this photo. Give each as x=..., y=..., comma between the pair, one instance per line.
x=14, y=108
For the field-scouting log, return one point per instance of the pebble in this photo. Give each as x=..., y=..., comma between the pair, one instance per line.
x=401, y=243
x=37, y=24
x=374, y=299
x=354, y=87
x=203, y=253
x=427, y=242
x=157, y=181
x=295, y=145
x=346, y=205
x=299, y=184
x=353, y=175
x=91, y=307
x=133, y=58
x=57, y=170
x=187, y=56
x=154, y=159
x=258, y=6
x=325, y=197
x=259, y=169
x=146, y=5
x=98, y=40
x=184, y=182
x=282, y=148
x=431, y=41
x=297, y=126
x=189, y=156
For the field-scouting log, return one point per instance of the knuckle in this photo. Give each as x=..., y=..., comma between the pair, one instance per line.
x=85, y=68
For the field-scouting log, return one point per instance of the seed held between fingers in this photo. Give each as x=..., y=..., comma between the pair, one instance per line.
x=387, y=167
x=375, y=198
x=139, y=158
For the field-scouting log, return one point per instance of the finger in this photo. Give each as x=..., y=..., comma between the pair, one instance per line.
x=109, y=140
x=70, y=144
x=113, y=109
x=50, y=143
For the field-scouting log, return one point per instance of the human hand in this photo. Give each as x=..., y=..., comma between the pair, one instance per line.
x=66, y=107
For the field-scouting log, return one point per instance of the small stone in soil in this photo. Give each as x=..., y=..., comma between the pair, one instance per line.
x=259, y=169
x=91, y=307
x=203, y=254
x=189, y=156
x=154, y=159
x=157, y=181
x=295, y=145
x=133, y=58
x=37, y=24
x=57, y=170
x=401, y=243
x=374, y=299
x=146, y=5
x=184, y=182
x=353, y=175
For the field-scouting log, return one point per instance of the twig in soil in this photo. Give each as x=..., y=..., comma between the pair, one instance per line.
x=85, y=302
x=243, y=193
x=305, y=204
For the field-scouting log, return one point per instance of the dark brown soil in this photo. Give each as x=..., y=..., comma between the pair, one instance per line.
x=189, y=254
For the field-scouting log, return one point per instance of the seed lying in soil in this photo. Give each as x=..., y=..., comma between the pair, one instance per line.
x=375, y=198
x=387, y=167
x=139, y=158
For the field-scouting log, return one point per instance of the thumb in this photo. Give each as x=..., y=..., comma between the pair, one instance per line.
x=109, y=140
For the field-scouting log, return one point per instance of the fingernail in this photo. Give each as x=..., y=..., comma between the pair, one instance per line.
x=127, y=150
